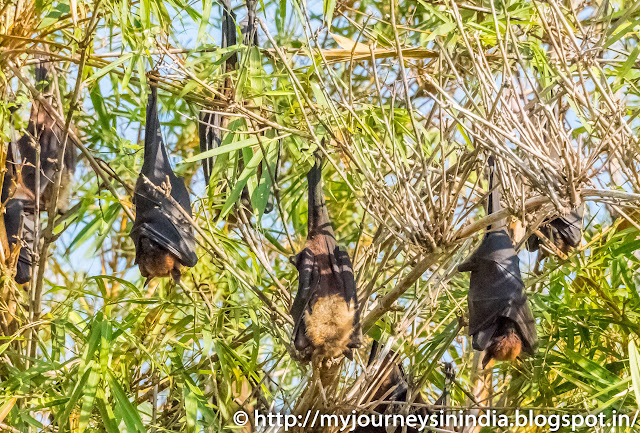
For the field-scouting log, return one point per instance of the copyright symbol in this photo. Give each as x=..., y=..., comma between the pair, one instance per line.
x=240, y=418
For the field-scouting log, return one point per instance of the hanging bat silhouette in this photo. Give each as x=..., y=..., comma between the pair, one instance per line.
x=19, y=223
x=325, y=309
x=19, y=185
x=19, y=219
x=163, y=237
x=45, y=132
x=391, y=389
x=500, y=320
x=209, y=131
x=565, y=232
x=212, y=124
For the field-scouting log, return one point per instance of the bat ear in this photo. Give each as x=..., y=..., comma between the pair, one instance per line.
x=356, y=337
x=468, y=265
x=293, y=260
x=348, y=353
x=176, y=274
x=486, y=360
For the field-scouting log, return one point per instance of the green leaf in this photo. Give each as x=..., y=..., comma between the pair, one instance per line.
x=249, y=170
x=110, y=67
x=75, y=396
x=328, y=8
x=223, y=149
x=88, y=399
x=634, y=366
x=129, y=413
x=204, y=23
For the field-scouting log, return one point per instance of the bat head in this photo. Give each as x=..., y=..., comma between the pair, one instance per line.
x=506, y=344
x=156, y=261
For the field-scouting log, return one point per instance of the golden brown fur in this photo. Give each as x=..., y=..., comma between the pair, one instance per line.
x=329, y=326
x=155, y=261
x=505, y=346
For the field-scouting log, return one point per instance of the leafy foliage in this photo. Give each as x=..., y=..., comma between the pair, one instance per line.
x=409, y=99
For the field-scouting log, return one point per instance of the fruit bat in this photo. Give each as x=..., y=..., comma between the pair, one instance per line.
x=565, y=232
x=500, y=320
x=19, y=223
x=391, y=390
x=163, y=237
x=19, y=219
x=209, y=132
x=45, y=132
x=325, y=309
x=210, y=124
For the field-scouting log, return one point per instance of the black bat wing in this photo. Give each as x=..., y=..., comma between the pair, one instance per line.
x=308, y=277
x=569, y=228
x=49, y=145
x=343, y=267
x=210, y=138
x=496, y=290
x=157, y=217
x=15, y=214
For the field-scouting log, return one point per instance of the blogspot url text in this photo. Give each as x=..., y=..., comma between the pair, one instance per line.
x=491, y=418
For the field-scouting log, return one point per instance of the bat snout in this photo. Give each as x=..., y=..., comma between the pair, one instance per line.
x=506, y=345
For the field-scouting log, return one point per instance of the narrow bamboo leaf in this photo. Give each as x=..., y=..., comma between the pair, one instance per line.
x=6, y=407
x=634, y=366
x=109, y=421
x=111, y=66
x=191, y=408
x=223, y=149
x=206, y=13
x=130, y=415
x=75, y=396
x=249, y=170
x=88, y=399
x=281, y=15
x=350, y=45
x=329, y=7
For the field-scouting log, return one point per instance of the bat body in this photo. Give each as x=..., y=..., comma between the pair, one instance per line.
x=162, y=235
x=15, y=218
x=325, y=309
x=209, y=131
x=391, y=389
x=19, y=222
x=19, y=218
x=565, y=232
x=211, y=125
x=500, y=320
x=44, y=132
x=20, y=181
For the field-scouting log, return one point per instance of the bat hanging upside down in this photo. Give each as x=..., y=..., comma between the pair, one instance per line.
x=564, y=232
x=22, y=179
x=391, y=389
x=325, y=309
x=500, y=320
x=162, y=235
